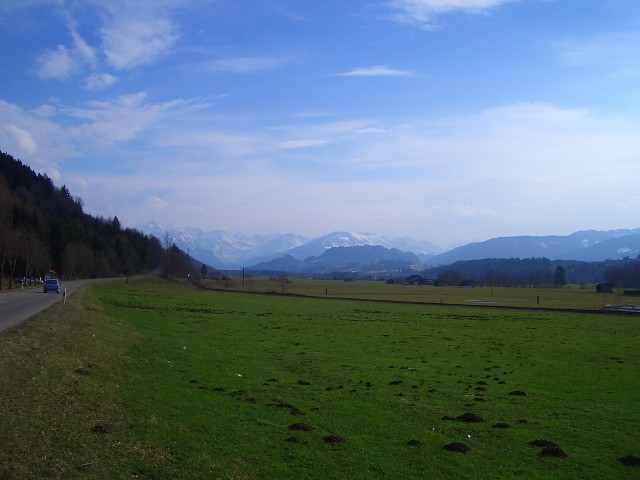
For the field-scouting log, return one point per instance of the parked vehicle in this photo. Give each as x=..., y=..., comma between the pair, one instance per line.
x=52, y=285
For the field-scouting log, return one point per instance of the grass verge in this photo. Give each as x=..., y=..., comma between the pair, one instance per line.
x=61, y=377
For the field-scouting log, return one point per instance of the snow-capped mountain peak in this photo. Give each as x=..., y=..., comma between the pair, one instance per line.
x=222, y=249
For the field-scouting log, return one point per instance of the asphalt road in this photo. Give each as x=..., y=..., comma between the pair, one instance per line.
x=16, y=306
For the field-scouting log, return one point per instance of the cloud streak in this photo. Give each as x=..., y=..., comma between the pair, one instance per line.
x=618, y=49
x=376, y=71
x=425, y=12
x=247, y=64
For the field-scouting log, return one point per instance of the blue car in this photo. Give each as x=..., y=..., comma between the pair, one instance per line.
x=52, y=285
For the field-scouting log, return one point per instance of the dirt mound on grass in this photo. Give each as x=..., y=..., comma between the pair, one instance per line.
x=414, y=442
x=553, y=452
x=101, y=428
x=469, y=418
x=501, y=425
x=292, y=408
x=303, y=427
x=333, y=439
x=542, y=443
x=630, y=461
x=457, y=447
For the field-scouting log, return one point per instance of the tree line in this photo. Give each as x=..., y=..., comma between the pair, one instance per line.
x=44, y=230
x=509, y=272
x=537, y=272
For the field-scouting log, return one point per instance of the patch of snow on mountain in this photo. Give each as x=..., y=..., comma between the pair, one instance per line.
x=587, y=243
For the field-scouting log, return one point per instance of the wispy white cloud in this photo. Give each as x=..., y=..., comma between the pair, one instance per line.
x=295, y=144
x=528, y=140
x=618, y=49
x=376, y=71
x=425, y=12
x=23, y=138
x=213, y=142
x=63, y=63
x=34, y=137
x=82, y=48
x=98, y=81
x=104, y=123
x=248, y=64
x=131, y=35
x=56, y=64
x=133, y=42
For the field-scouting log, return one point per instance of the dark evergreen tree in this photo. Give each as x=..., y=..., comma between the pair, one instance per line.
x=559, y=277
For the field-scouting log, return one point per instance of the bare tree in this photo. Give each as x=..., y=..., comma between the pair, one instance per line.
x=41, y=260
x=283, y=281
x=26, y=247
x=14, y=250
x=30, y=246
x=5, y=235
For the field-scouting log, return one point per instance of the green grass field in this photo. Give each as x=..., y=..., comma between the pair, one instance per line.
x=157, y=380
x=569, y=297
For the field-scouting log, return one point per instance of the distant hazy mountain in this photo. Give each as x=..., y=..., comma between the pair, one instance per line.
x=589, y=245
x=224, y=250
x=318, y=246
x=348, y=258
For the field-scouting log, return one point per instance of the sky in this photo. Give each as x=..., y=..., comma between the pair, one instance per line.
x=450, y=121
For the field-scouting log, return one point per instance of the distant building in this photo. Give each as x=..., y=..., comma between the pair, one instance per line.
x=414, y=280
x=604, y=288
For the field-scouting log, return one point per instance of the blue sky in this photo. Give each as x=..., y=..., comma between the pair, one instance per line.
x=445, y=120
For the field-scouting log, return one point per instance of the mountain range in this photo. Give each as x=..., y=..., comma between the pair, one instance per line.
x=224, y=250
x=587, y=245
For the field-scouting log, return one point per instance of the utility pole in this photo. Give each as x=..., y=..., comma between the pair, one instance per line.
x=492, y=273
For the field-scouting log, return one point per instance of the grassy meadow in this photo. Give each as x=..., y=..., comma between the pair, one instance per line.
x=569, y=297
x=157, y=380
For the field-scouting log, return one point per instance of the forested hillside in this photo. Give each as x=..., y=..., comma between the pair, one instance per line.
x=43, y=228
